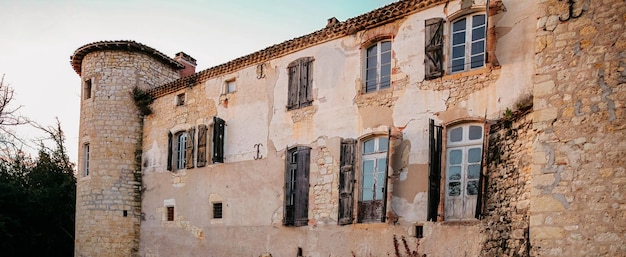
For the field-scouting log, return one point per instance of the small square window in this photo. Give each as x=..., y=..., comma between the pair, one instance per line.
x=87, y=89
x=170, y=213
x=217, y=210
x=230, y=86
x=180, y=99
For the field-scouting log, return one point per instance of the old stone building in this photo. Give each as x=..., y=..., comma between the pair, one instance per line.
x=438, y=127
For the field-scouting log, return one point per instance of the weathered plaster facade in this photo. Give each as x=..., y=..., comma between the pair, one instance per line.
x=549, y=100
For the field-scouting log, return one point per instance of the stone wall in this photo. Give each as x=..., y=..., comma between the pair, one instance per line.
x=507, y=195
x=579, y=172
x=108, y=199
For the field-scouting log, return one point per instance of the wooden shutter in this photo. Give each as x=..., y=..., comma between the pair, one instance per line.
x=482, y=179
x=433, y=53
x=389, y=145
x=306, y=81
x=189, y=148
x=434, y=169
x=202, y=140
x=218, y=140
x=287, y=207
x=294, y=85
x=302, y=187
x=169, y=151
x=346, y=182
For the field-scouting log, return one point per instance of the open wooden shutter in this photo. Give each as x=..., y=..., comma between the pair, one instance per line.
x=389, y=145
x=346, y=182
x=434, y=169
x=294, y=85
x=287, y=206
x=433, y=61
x=302, y=187
x=202, y=140
x=189, y=148
x=218, y=140
x=482, y=179
x=169, y=151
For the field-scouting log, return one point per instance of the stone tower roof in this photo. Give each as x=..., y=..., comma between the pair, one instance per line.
x=77, y=58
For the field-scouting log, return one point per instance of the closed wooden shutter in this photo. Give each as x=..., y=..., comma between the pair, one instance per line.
x=434, y=169
x=306, y=81
x=189, y=148
x=433, y=60
x=294, y=85
x=169, y=151
x=346, y=182
x=302, y=187
x=202, y=141
x=219, y=127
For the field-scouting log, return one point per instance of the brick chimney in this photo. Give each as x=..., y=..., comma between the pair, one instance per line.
x=189, y=63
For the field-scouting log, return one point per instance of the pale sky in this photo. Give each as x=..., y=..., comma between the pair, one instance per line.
x=37, y=38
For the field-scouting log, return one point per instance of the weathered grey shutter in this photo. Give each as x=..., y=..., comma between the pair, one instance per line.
x=306, y=81
x=294, y=85
x=482, y=179
x=389, y=145
x=169, y=151
x=346, y=182
x=302, y=187
x=287, y=207
x=434, y=169
x=218, y=140
x=189, y=148
x=202, y=140
x=433, y=61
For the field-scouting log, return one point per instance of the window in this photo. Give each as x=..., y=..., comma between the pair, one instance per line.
x=297, y=162
x=300, y=83
x=230, y=86
x=181, y=150
x=170, y=213
x=467, y=47
x=217, y=210
x=219, y=128
x=463, y=171
x=378, y=66
x=86, y=152
x=180, y=99
x=373, y=179
x=87, y=89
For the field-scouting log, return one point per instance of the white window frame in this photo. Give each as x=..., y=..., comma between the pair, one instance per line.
x=377, y=69
x=462, y=205
x=181, y=150
x=467, y=43
x=376, y=156
x=230, y=86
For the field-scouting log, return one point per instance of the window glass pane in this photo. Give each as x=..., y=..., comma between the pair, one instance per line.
x=456, y=134
x=372, y=51
x=478, y=47
x=385, y=58
x=371, y=62
x=371, y=74
x=472, y=187
x=368, y=166
x=458, y=65
x=454, y=188
x=458, y=25
x=473, y=155
x=385, y=46
x=368, y=194
x=368, y=146
x=382, y=165
x=368, y=181
x=478, y=61
x=385, y=82
x=370, y=86
x=458, y=38
x=454, y=173
x=455, y=157
x=478, y=20
x=385, y=70
x=475, y=132
x=383, y=143
x=473, y=171
x=478, y=33
x=380, y=192
x=458, y=51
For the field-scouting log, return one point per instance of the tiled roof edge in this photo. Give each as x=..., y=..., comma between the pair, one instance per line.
x=77, y=58
x=370, y=19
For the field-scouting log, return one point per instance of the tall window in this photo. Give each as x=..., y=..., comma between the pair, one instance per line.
x=87, y=89
x=300, y=83
x=373, y=179
x=86, y=152
x=297, y=186
x=378, y=66
x=468, y=43
x=181, y=150
x=463, y=167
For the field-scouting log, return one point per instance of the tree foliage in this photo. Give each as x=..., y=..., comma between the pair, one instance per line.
x=37, y=195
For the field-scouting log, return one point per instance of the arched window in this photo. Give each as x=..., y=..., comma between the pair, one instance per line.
x=467, y=46
x=378, y=66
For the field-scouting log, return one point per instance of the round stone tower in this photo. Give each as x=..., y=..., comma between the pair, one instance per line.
x=108, y=194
